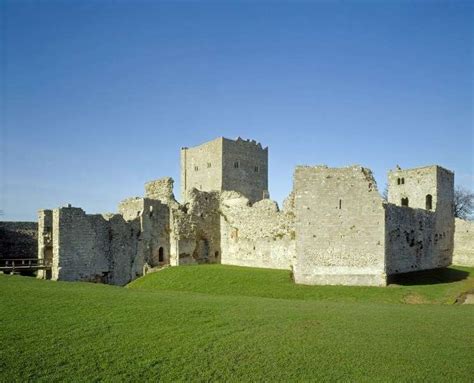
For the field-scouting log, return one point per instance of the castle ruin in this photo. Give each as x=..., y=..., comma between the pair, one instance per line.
x=334, y=228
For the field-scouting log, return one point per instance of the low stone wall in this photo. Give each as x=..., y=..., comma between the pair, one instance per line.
x=463, y=243
x=18, y=240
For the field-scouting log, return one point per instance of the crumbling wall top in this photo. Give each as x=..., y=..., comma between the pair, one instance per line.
x=161, y=189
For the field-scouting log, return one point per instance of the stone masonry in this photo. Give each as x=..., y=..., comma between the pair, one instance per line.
x=334, y=227
x=464, y=243
x=223, y=164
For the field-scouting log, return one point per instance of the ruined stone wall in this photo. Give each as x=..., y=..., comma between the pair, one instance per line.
x=152, y=218
x=161, y=189
x=108, y=248
x=245, y=168
x=201, y=167
x=464, y=243
x=258, y=235
x=340, y=227
x=80, y=246
x=18, y=239
x=195, y=229
x=45, y=240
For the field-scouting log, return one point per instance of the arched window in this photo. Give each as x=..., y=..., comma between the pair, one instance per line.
x=405, y=201
x=429, y=202
x=398, y=181
x=403, y=181
x=161, y=255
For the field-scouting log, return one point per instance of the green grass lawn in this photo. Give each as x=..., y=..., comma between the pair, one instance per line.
x=435, y=286
x=234, y=324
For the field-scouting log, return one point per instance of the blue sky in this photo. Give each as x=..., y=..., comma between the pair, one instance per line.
x=97, y=97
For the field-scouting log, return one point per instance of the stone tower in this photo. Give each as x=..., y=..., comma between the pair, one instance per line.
x=224, y=164
x=430, y=188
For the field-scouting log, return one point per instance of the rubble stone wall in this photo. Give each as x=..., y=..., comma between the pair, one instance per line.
x=195, y=229
x=80, y=246
x=258, y=235
x=340, y=221
x=464, y=243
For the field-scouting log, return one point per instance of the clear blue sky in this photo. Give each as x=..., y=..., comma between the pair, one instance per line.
x=99, y=96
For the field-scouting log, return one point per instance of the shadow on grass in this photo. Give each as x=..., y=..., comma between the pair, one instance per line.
x=428, y=277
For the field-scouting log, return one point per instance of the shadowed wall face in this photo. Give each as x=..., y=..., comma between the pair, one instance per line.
x=18, y=240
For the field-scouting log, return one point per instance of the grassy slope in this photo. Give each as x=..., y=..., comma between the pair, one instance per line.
x=244, y=281
x=53, y=331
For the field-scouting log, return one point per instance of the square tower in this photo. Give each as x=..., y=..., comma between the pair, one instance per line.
x=430, y=188
x=224, y=164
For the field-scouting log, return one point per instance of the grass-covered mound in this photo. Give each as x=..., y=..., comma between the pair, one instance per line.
x=433, y=286
x=59, y=331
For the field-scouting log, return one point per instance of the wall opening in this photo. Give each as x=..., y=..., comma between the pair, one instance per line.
x=236, y=164
x=429, y=202
x=398, y=181
x=405, y=201
x=403, y=181
x=216, y=254
x=202, y=250
x=161, y=255
x=340, y=203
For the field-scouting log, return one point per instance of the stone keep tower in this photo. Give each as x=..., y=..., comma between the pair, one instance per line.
x=429, y=187
x=224, y=164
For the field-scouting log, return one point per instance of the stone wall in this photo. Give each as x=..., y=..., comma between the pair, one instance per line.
x=195, y=236
x=340, y=227
x=245, y=168
x=109, y=248
x=161, y=189
x=464, y=243
x=258, y=235
x=201, y=167
x=18, y=239
x=411, y=241
x=80, y=246
x=45, y=240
